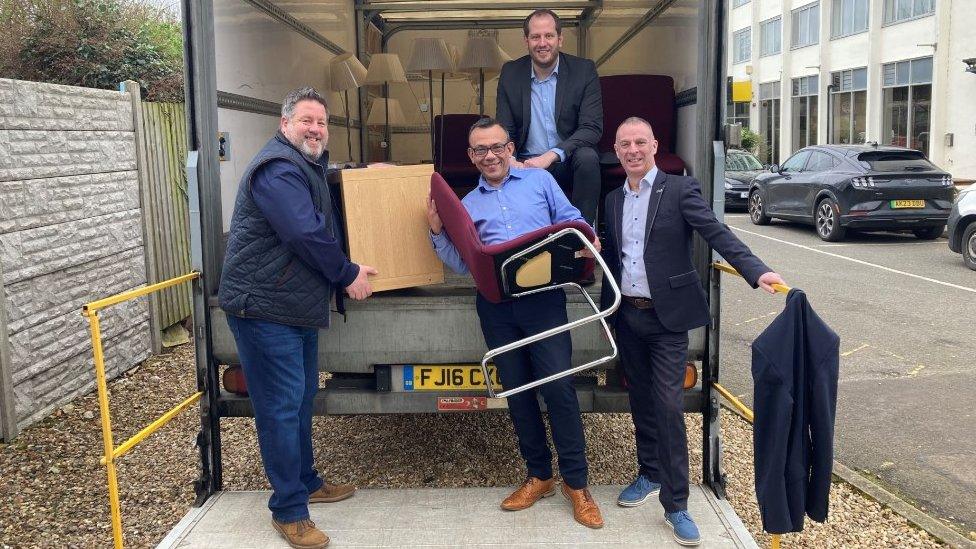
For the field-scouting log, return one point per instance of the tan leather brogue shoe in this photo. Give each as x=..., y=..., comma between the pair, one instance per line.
x=331, y=493
x=302, y=534
x=585, y=510
x=531, y=491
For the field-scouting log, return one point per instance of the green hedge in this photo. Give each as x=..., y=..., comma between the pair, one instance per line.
x=93, y=43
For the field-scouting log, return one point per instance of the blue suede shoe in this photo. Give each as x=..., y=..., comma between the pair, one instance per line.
x=683, y=527
x=638, y=492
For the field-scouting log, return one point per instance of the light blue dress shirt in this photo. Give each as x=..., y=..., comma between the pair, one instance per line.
x=542, y=136
x=527, y=199
x=633, y=275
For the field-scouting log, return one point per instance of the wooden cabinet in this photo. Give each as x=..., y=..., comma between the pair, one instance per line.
x=385, y=211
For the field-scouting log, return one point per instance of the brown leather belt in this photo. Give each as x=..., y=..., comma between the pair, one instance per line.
x=639, y=302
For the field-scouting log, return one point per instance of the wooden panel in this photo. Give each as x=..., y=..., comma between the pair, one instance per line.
x=386, y=225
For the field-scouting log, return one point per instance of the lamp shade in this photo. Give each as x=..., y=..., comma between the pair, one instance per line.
x=481, y=52
x=377, y=113
x=430, y=54
x=493, y=73
x=336, y=106
x=347, y=72
x=384, y=67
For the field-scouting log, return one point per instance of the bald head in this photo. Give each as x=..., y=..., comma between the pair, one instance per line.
x=635, y=147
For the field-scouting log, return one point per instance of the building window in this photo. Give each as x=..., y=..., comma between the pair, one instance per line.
x=902, y=10
x=770, y=36
x=742, y=45
x=805, y=111
x=848, y=113
x=769, y=113
x=848, y=17
x=739, y=3
x=806, y=26
x=738, y=113
x=907, y=103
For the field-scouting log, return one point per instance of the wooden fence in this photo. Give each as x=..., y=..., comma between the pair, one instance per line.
x=163, y=132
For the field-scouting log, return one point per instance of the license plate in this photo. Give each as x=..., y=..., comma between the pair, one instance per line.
x=744, y=195
x=907, y=203
x=446, y=377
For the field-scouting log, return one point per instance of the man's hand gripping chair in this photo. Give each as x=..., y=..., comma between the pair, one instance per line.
x=542, y=260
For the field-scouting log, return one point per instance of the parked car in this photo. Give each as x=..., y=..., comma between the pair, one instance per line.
x=962, y=226
x=865, y=187
x=740, y=169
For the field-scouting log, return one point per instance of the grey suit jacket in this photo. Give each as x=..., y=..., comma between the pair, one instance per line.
x=579, y=103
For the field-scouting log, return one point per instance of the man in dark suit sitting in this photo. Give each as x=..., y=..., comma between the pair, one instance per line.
x=550, y=103
x=650, y=219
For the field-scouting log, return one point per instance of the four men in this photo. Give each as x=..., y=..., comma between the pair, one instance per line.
x=284, y=262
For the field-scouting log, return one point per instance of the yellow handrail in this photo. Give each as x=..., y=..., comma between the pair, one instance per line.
x=726, y=268
x=90, y=311
x=735, y=402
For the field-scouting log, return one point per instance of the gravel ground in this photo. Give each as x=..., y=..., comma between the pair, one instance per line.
x=53, y=489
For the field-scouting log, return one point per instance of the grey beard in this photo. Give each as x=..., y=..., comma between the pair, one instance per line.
x=308, y=153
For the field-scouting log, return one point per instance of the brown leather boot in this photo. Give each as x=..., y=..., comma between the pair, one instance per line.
x=585, y=510
x=531, y=491
x=331, y=493
x=302, y=534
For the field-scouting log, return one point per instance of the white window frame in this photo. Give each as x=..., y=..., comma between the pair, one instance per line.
x=814, y=33
x=844, y=83
x=837, y=14
x=763, y=36
x=889, y=11
x=909, y=83
x=738, y=55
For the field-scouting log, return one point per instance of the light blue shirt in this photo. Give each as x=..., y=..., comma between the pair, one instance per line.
x=633, y=275
x=527, y=199
x=542, y=136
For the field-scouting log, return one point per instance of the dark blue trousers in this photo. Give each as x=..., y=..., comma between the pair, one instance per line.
x=653, y=359
x=511, y=320
x=281, y=370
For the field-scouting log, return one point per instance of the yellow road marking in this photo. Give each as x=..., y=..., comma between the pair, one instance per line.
x=852, y=351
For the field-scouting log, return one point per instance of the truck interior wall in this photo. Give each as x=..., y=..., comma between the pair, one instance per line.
x=668, y=46
x=260, y=57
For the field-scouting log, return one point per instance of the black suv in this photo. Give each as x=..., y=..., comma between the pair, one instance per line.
x=867, y=187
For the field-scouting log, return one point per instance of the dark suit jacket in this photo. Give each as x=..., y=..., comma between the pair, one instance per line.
x=676, y=208
x=579, y=104
x=794, y=368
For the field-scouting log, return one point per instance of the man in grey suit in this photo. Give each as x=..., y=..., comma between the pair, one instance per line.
x=550, y=103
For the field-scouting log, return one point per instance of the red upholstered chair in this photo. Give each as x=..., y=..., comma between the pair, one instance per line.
x=541, y=260
x=451, y=150
x=650, y=97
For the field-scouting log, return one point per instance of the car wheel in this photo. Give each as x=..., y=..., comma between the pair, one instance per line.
x=929, y=233
x=969, y=246
x=828, y=222
x=757, y=209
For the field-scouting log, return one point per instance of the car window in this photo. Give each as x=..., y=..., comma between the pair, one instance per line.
x=895, y=161
x=820, y=162
x=742, y=162
x=795, y=163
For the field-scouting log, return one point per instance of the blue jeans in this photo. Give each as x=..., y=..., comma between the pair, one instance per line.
x=281, y=370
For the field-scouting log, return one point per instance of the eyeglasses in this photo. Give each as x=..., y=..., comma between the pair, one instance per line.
x=482, y=151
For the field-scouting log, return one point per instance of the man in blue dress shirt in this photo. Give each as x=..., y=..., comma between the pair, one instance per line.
x=550, y=104
x=507, y=203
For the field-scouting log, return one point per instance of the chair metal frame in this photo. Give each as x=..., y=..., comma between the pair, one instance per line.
x=597, y=315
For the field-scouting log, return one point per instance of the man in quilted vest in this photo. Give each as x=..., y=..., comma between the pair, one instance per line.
x=283, y=264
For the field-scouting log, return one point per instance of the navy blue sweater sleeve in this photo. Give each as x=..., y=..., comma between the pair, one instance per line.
x=280, y=191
